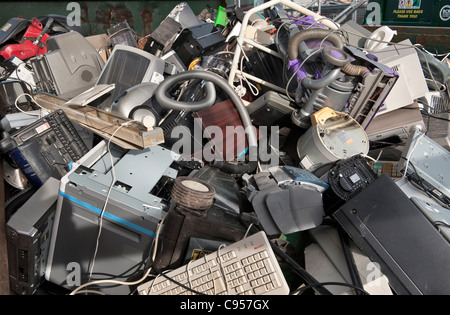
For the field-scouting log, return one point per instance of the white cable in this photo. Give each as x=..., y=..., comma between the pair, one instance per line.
x=188, y=273
x=101, y=222
x=248, y=231
x=106, y=201
x=436, y=55
x=210, y=270
x=77, y=290
x=33, y=100
x=153, y=284
x=379, y=155
x=369, y=158
x=321, y=19
x=253, y=87
x=411, y=153
x=93, y=292
x=277, y=152
x=222, y=271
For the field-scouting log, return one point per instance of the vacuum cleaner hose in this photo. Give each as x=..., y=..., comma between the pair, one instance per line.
x=213, y=79
x=313, y=33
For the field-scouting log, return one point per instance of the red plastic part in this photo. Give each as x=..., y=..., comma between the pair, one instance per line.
x=27, y=49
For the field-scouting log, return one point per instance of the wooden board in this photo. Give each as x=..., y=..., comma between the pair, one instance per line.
x=132, y=136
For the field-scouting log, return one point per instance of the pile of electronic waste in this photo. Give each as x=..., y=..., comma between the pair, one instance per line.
x=270, y=151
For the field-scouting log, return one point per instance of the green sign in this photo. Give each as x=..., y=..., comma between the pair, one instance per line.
x=434, y=13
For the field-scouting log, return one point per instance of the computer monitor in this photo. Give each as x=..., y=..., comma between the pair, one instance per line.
x=411, y=85
x=131, y=214
x=71, y=66
x=127, y=67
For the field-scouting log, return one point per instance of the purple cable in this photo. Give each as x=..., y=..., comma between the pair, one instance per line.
x=306, y=21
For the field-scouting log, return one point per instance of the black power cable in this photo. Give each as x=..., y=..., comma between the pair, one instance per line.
x=354, y=274
x=323, y=284
x=306, y=276
x=162, y=274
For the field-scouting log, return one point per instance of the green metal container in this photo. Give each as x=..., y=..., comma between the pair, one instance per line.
x=425, y=13
x=425, y=22
x=97, y=16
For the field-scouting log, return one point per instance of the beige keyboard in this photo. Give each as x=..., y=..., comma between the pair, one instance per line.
x=247, y=267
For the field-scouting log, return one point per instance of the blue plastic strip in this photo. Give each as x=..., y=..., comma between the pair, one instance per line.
x=26, y=168
x=243, y=153
x=107, y=215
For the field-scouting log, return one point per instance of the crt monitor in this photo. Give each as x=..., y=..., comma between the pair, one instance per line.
x=127, y=67
x=71, y=66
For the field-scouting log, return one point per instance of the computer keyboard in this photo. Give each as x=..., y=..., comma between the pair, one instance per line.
x=247, y=267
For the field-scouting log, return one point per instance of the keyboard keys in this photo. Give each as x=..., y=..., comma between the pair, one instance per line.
x=219, y=285
x=244, y=268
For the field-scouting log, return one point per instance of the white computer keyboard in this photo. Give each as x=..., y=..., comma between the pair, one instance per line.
x=247, y=267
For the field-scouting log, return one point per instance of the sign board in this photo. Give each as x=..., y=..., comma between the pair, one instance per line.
x=427, y=13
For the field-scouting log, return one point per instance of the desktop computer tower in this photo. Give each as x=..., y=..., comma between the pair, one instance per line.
x=393, y=232
x=128, y=223
x=29, y=233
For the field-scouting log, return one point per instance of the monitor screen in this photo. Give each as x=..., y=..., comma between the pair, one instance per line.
x=127, y=67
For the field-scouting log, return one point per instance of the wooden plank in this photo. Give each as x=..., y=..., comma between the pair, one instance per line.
x=133, y=136
x=4, y=273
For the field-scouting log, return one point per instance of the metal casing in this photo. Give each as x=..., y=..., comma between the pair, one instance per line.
x=129, y=219
x=339, y=137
